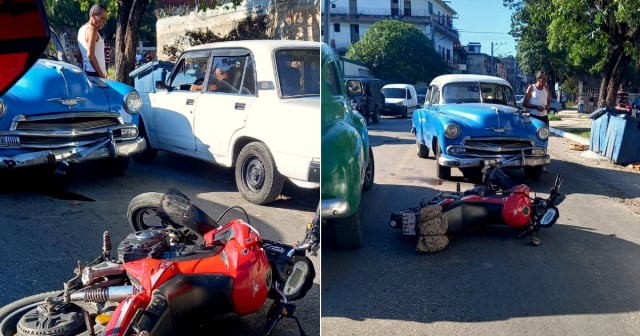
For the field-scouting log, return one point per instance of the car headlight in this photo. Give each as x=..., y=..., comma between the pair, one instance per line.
x=132, y=102
x=543, y=133
x=3, y=108
x=451, y=131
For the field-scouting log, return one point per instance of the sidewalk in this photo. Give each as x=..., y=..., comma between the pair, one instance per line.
x=571, y=120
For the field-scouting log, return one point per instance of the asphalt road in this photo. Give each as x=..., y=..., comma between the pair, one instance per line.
x=582, y=280
x=44, y=231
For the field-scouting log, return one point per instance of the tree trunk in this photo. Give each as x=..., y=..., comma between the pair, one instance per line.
x=129, y=17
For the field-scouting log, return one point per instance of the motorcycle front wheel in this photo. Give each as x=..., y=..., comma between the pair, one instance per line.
x=141, y=212
x=11, y=313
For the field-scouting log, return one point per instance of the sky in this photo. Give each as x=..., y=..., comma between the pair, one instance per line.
x=484, y=21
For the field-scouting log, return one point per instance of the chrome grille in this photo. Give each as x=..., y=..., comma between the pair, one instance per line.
x=497, y=147
x=66, y=124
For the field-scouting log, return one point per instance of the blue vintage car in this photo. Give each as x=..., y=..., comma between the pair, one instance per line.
x=55, y=115
x=468, y=121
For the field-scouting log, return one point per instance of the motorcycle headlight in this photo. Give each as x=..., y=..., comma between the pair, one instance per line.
x=543, y=133
x=451, y=131
x=132, y=102
x=3, y=108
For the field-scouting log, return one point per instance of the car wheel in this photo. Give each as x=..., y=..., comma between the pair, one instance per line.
x=375, y=117
x=405, y=113
x=149, y=153
x=348, y=231
x=369, y=172
x=442, y=172
x=533, y=173
x=257, y=178
x=421, y=150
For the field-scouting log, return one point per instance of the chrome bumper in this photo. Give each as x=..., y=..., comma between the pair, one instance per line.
x=333, y=208
x=103, y=149
x=456, y=162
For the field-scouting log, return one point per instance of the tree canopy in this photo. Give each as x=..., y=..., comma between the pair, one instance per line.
x=578, y=37
x=398, y=52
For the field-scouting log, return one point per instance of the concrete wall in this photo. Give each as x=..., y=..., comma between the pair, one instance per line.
x=287, y=20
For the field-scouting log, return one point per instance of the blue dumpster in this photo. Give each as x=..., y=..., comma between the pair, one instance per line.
x=623, y=140
x=599, y=128
x=146, y=75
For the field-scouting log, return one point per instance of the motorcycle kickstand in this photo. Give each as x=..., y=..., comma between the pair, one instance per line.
x=535, y=237
x=280, y=309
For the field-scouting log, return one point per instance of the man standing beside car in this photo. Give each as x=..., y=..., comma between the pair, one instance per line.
x=91, y=44
x=538, y=99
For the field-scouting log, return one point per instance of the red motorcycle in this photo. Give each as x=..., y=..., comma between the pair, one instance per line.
x=498, y=202
x=170, y=275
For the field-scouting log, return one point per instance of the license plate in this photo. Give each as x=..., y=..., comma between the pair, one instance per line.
x=409, y=223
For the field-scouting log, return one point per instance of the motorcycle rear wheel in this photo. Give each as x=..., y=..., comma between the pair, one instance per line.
x=11, y=313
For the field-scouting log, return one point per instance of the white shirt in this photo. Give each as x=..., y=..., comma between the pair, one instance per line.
x=83, y=45
x=538, y=97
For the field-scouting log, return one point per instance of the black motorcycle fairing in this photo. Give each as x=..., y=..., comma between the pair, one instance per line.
x=184, y=299
x=464, y=216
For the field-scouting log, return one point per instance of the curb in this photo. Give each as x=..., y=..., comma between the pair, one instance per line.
x=570, y=136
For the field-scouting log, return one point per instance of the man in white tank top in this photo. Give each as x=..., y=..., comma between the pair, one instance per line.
x=91, y=44
x=537, y=98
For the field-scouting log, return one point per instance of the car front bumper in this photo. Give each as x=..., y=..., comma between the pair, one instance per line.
x=467, y=162
x=101, y=149
x=334, y=208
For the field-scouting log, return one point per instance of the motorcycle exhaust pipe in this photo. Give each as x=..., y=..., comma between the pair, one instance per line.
x=111, y=294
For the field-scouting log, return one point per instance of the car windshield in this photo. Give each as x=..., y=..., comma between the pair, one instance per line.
x=298, y=72
x=393, y=93
x=476, y=92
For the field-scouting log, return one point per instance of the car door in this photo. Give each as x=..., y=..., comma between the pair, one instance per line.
x=173, y=110
x=221, y=113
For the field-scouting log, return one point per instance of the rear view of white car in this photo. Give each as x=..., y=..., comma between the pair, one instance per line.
x=252, y=105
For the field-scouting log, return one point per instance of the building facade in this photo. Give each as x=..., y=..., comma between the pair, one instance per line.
x=350, y=19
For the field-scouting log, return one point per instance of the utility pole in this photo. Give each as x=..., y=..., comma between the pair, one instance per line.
x=325, y=24
x=493, y=62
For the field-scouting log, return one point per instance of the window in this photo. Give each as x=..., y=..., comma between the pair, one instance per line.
x=336, y=27
x=298, y=72
x=430, y=8
x=355, y=32
x=395, y=10
x=407, y=7
x=331, y=79
x=190, y=71
x=409, y=94
x=232, y=74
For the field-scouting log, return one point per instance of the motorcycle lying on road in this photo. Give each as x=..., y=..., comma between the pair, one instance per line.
x=499, y=201
x=177, y=269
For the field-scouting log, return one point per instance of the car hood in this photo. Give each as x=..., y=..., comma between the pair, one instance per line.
x=52, y=86
x=483, y=119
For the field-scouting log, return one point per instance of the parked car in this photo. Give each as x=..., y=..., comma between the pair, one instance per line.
x=399, y=99
x=421, y=92
x=555, y=107
x=471, y=120
x=261, y=119
x=55, y=115
x=347, y=158
x=366, y=96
